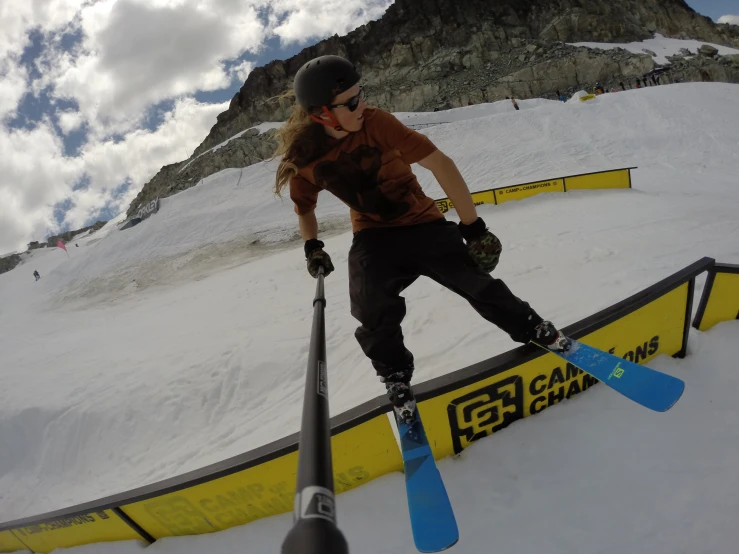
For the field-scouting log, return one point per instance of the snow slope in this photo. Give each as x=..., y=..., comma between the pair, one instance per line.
x=593, y=476
x=660, y=46
x=182, y=341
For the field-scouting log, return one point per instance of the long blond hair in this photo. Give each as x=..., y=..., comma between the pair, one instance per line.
x=300, y=140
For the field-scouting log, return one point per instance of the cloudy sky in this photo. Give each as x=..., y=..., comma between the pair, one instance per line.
x=97, y=95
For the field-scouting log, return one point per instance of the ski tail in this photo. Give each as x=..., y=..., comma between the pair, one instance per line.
x=433, y=522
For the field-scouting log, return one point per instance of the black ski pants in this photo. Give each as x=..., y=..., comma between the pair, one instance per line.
x=384, y=262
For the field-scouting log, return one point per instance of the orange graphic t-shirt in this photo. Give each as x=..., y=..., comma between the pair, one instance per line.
x=369, y=171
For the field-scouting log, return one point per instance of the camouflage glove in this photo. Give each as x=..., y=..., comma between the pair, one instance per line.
x=316, y=258
x=482, y=245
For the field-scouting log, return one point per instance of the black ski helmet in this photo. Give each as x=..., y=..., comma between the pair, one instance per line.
x=319, y=80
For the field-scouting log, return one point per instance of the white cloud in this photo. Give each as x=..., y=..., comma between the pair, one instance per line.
x=34, y=175
x=12, y=86
x=305, y=19
x=129, y=57
x=241, y=72
x=732, y=19
x=137, y=54
x=18, y=17
x=69, y=120
x=140, y=155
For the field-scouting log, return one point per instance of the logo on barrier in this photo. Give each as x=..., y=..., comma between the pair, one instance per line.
x=531, y=186
x=484, y=411
x=56, y=524
x=179, y=516
x=444, y=205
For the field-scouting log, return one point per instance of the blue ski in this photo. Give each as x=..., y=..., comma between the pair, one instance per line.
x=652, y=389
x=432, y=518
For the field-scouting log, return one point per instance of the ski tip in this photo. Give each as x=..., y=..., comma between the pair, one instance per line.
x=669, y=396
x=426, y=549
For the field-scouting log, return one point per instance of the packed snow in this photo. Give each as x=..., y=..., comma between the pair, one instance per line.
x=592, y=476
x=660, y=47
x=182, y=341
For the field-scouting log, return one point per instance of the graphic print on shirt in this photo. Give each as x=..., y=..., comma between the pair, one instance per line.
x=353, y=178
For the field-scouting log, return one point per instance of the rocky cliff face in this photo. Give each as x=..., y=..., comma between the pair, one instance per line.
x=447, y=53
x=9, y=262
x=407, y=57
x=67, y=236
x=248, y=149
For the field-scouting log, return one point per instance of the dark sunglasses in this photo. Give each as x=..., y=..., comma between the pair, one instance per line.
x=352, y=103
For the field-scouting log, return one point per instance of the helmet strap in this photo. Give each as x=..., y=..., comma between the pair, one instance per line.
x=334, y=123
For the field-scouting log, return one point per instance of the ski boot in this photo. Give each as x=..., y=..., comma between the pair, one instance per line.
x=401, y=396
x=547, y=335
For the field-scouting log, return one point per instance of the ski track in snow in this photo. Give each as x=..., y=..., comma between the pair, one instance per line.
x=182, y=341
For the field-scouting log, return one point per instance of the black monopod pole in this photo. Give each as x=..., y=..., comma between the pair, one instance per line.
x=314, y=528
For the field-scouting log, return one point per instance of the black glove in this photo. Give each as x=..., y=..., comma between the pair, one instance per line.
x=317, y=258
x=482, y=245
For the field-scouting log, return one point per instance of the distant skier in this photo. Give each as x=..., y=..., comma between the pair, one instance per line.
x=561, y=96
x=362, y=155
x=515, y=104
x=36, y=274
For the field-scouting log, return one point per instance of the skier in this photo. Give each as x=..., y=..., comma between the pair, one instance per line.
x=362, y=155
x=36, y=274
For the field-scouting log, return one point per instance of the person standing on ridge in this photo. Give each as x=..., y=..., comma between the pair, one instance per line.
x=333, y=141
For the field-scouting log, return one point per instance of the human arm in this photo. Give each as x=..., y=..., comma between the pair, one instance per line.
x=304, y=195
x=314, y=253
x=446, y=173
x=308, y=225
x=482, y=245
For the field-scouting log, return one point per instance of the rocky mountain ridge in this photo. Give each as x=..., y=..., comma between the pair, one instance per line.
x=441, y=54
